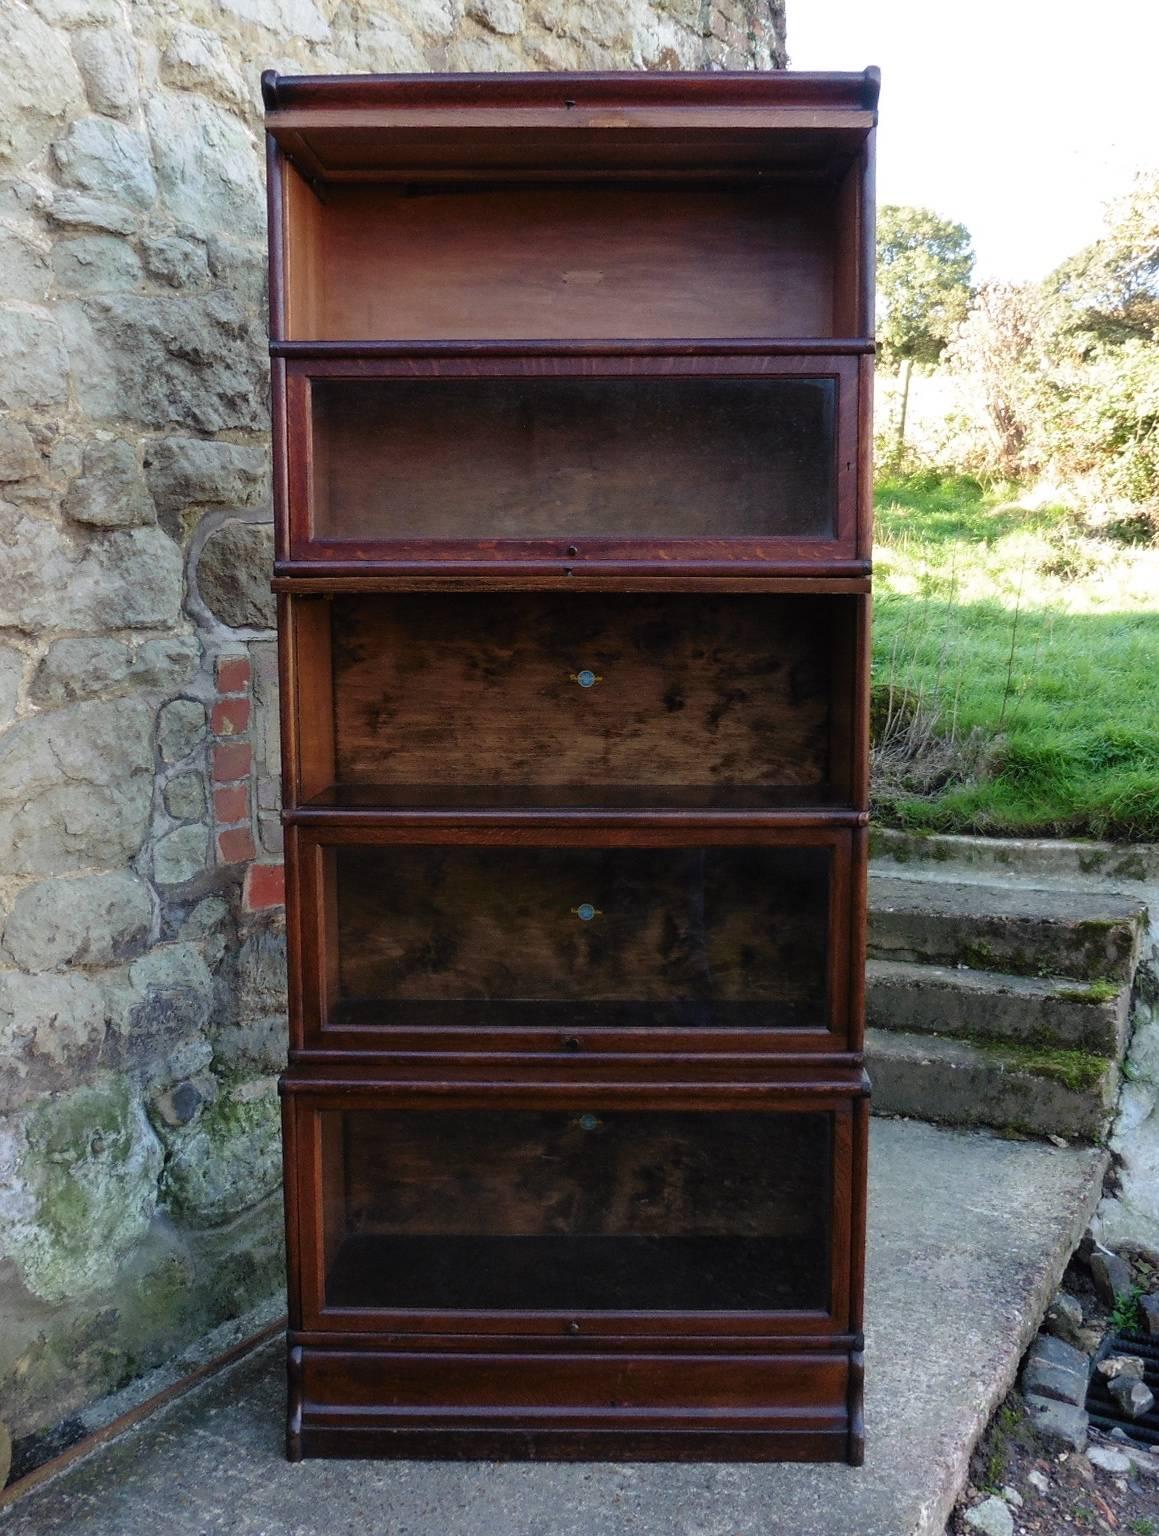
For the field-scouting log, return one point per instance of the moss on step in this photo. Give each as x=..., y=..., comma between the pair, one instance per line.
x=1093, y=992
x=1076, y=1070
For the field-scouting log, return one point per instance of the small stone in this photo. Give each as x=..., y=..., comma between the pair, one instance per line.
x=5, y=1453
x=502, y=16
x=1111, y=1276
x=111, y=492
x=35, y=369
x=18, y=456
x=234, y=575
x=106, y=159
x=163, y=662
x=1064, y=1317
x=180, y=855
x=992, y=1517
x=207, y=165
x=96, y=264
x=196, y=60
x=11, y=675
x=180, y=1105
x=1108, y=1460
x=1115, y=1366
x=185, y=797
x=25, y=264
x=1149, y=1311
x=96, y=920
x=1060, y=1423
x=1058, y=1141
x=1134, y=1397
x=184, y=471
x=1038, y=1480
x=1012, y=1496
x=1055, y=1369
x=180, y=729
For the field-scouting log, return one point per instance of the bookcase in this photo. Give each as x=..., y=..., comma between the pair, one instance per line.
x=571, y=407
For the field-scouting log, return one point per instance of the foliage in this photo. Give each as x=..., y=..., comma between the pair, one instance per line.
x=1014, y=666
x=924, y=266
x=1126, y=1314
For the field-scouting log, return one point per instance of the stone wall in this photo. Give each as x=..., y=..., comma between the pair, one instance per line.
x=141, y=948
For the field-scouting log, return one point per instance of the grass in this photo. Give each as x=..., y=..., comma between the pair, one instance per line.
x=1016, y=668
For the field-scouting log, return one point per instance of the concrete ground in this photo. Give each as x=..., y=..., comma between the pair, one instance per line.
x=968, y=1237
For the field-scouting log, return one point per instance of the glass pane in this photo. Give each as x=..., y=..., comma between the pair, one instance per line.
x=551, y=458
x=571, y=937
x=590, y=698
x=543, y=1209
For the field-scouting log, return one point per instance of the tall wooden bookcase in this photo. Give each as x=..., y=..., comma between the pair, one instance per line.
x=571, y=382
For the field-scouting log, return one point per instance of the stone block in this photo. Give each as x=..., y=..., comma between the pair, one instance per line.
x=165, y=661
x=25, y=265
x=39, y=84
x=104, y=56
x=73, y=210
x=233, y=575
x=173, y=260
x=111, y=493
x=53, y=1031
x=185, y=798
x=1055, y=1369
x=196, y=60
x=106, y=159
x=1058, y=1423
x=96, y=920
x=181, y=727
x=1111, y=1276
x=181, y=855
x=207, y=165
x=11, y=675
x=1064, y=1317
x=18, y=453
x=35, y=371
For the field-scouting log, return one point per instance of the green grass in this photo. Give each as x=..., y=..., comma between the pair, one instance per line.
x=1016, y=668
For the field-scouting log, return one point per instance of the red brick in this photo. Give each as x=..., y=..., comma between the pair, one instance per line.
x=232, y=760
x=265, y=886
x=233, y=674
x=231, y=804
x=235, y=846
x=230, y=717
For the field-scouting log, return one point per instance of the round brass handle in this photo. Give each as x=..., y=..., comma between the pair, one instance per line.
x=585, y=678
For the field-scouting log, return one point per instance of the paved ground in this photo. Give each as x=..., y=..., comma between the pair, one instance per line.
x=969, y=1235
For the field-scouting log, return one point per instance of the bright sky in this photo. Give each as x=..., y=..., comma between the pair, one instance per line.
x=1018, y=118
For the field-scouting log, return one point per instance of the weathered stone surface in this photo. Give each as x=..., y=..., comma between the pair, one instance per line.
x=1055, y=1369
x=35, y=370
x=992, y=1517
x=105, y=59
x=185, y=470
x=111, y=493
x=288, y=18
x=185, y=797
x=1114, y=1366
x=227, y=1158
x=180, y=263
x=255, y=1034
x=180, y=729
x=1059, y=1423
x=1149, y=1310
x=97, y=920
x=196, y=60
x=180, y=855
x=39, y=83
x=52, y=1030
x=96, y=264
x=88, y=1177
x=163, y=360
x=1134, y=1397
x=207, y=165
x=234, y=573
x=106, y=159
x=25, y=265
x=11, y=675
x=502, y=16
x=79, y=668
x=75, y=786
x=18, y=455
x=1107, y=1459
x=165, y=661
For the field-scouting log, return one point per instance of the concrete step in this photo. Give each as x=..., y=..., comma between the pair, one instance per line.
x=1002, y=1086
x=1028, y=860
x=1024, y=931
x=987, y=1005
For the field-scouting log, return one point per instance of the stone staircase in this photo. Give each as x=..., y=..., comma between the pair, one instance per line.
x=999, y=988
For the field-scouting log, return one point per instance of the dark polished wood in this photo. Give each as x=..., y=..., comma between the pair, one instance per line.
x=573, y=495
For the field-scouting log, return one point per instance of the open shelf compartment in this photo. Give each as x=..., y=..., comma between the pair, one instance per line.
x=555, y=943
x=594, y=699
